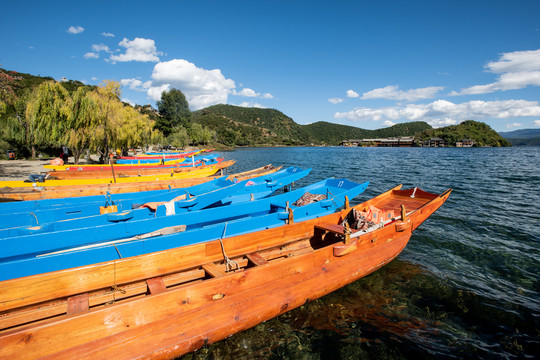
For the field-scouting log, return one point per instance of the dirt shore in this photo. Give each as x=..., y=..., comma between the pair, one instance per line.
x=20, y=169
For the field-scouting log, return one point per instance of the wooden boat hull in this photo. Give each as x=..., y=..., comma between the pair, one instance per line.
x=124, y=171
x=193, y=172
x=161, y=155
x=79, y=167
x=81, y=242
x=46, y=192
x=163, y=315
x=15, y=217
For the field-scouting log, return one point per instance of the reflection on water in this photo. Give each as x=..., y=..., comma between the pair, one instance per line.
x=466, y=286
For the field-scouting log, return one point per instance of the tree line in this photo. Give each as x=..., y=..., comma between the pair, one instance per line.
x=93, y=119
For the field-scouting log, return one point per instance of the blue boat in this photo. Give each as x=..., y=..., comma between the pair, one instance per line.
x=207, y=159
x=22, y=256
x=85, y=211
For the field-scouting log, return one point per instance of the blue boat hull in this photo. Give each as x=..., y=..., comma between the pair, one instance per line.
x=40, y=256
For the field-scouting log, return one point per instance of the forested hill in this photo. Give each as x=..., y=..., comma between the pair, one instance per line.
x=523, y=137
x=239, y=126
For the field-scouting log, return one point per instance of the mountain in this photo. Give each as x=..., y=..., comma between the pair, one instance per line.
x=521, y=134
x=239, y=126
x=523, y=137
x=481, y=133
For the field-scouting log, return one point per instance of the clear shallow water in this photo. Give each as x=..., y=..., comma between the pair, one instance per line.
x=466, y=286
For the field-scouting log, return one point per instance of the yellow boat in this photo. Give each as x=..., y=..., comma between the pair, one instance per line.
x=196, y=172
x=98, y=166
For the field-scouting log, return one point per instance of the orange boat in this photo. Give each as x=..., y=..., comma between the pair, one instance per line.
x=114, y=171
x=165, y=304
x=54, y=192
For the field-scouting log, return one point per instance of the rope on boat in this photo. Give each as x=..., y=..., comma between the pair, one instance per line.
x=37, y=221
x=118, y=251
x=334, y=197
x=228, y=262
x=114, y=287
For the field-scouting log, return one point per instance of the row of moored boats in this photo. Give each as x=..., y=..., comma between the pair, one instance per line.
x=166, y=244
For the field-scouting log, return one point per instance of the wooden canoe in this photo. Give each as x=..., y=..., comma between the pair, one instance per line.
x=114, y=171
x=52, y=192
x=191, y=173
x=163, y=155
x=126, y=200
x=78, y=167
x=166, y=304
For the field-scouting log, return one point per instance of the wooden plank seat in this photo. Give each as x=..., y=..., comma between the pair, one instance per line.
x=333, y=228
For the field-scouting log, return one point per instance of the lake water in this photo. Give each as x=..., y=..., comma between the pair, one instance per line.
x=466, y=286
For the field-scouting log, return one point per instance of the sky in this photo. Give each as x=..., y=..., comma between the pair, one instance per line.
x=369, y=64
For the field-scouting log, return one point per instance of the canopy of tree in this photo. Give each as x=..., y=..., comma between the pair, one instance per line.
x=174, y=111
x=50, y=116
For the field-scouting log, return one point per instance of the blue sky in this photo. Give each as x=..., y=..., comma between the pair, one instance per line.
x=368, y=64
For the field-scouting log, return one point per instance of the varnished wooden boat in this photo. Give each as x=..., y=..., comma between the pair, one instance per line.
x=85, y=241
x=163, y=155
x=114, y=171
x=23, y=218
x=52, y=192
x=191, y=173
x=79, y=167
x=165, y=304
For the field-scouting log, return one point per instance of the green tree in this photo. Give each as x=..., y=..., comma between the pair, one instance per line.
x=179, y=137
x=174, y=110
x=46, y=117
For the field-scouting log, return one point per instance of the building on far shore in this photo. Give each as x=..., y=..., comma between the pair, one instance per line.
x=465, y=143
x=403, y=141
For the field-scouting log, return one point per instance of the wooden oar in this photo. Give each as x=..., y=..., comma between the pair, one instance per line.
x=165, y=231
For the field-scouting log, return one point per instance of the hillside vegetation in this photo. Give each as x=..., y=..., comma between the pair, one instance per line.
x=523, y=137
x=239, y=126
x=221, y=124
x=481, y=133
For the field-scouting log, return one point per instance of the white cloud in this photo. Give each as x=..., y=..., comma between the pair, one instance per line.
x=101, y=47
x=139, y=49
x=335, y=100
x=442, y=112
x=517, y=61
x=352, y=94
x=389, y=123
x=130, y=102
x=91, y=55
x=392, y=92
x=136, y=84
x=513, y=125
x=107, y=34
x=201, y=87
x=536, y=122
x=75, y=29
x=94, y=78
x=247, y=92
x=251, y=104
x=517, y=70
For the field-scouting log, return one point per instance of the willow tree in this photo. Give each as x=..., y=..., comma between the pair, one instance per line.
x=131, y=128
x=82, y=122
x=101, y=122
x=46, y=118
